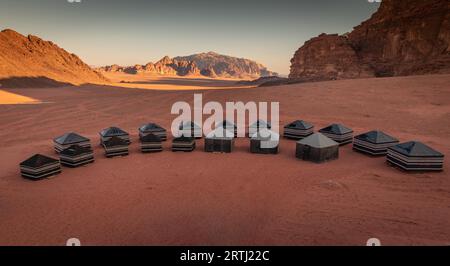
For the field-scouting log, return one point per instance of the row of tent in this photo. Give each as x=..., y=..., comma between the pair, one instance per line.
x=75, y=150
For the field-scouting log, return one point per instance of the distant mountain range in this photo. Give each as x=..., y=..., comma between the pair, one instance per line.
x=209, y=64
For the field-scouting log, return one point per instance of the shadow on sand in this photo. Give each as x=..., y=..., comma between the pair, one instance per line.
x=31, y=82
x=188, y=82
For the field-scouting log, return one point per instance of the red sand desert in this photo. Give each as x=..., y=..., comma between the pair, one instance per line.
x=228, y=199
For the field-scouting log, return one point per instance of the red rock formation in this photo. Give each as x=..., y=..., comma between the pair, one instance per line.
x=404, y=37
x=31, y=57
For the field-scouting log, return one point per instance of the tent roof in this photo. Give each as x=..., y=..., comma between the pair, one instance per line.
x=70, y=138
x=115, y=141
x=318, y=140
x=75, y=150
x=220, y=133
x=38, y=160
x=188, y=124
x=151, y=126
x=336, y=129
x=300, y=124
x=261, y=123
x=113, y=131
x=226, y=124
x=416, y=149
x=266, y=134
x=376, y=137
x=151, y=138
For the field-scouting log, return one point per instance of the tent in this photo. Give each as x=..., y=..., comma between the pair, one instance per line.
x=415, y=156
x=190, y=129
x=69, y=139
x=255, y=127
x=339, y=133
x=151, y=143
x=39, y=166
x=76, y=155
x=183, y=143
x=115, y=146
x=154, y=129
x=298, y=129
x=229, y=126
x=265, y=141
x=374, y=142
x=219, y=140
x=110, y=132
x=317, y=148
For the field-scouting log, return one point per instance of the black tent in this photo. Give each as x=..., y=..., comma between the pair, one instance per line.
x=76, y=155
x=317, y=148
x=69, y=139
x=151, y=143
x=110, y=132
x=115, y=146
x=265, y=141
x=183, y=144
x=298, y=129
x=339, y=133
x=190, y=129
x=154, y=129
x=228, y=126
x=415, y=156
x=374, y=142
x=258, y=125
x=39, y=166
x=219, y=140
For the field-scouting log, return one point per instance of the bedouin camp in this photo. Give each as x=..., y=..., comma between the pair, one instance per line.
x=69, y=139
x=298, y=129
x=154, y=129
x=339, y=133
x=415, y=156
x=115, y=146
x=76, y=155
x=110, y=132
x=317, y=148
x=151, y=143
x=265, y=141
x=219, y=140
x=39, y=166
x=374, y=143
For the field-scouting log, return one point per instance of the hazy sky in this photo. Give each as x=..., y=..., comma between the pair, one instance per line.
x=128, y=32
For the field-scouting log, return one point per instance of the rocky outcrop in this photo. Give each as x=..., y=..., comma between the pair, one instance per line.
x=165, y=66
x=205, y=64
x=215, y=64
x=404, y=37
x=30, y=57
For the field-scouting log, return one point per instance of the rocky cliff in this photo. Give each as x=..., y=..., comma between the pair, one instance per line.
x=31, y=59
x=404, y=37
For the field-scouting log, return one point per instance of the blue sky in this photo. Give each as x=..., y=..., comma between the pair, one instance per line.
x=104, y=32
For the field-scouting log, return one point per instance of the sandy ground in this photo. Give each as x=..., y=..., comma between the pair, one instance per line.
x=228, y=199
x=12, y=98
x=156, y=82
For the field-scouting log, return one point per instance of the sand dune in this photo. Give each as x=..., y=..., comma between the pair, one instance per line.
x=222, y=199
x=12, y=98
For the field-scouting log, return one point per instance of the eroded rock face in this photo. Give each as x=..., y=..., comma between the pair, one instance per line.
x=24, y=57
x=327, y=57
x=404, y=37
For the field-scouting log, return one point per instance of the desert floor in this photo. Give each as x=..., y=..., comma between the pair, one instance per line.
x=228, y=199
